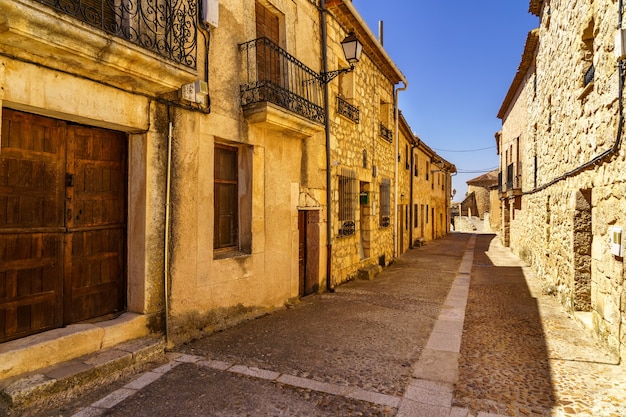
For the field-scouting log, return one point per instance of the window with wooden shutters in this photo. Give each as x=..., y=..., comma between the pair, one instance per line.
x=268, y=57
x=226, y=224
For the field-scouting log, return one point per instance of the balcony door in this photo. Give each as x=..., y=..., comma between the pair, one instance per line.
x=268, y=53
x=62, y=223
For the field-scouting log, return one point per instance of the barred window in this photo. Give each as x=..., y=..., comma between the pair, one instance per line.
x=385, y=202
x=347, y=202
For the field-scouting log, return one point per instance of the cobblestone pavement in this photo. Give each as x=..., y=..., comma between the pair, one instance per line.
x=380, y=348
x=522, y=355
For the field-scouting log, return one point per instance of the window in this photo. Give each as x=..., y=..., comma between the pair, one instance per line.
x=226, y=224
x=427, y=213
x=406, y=217
x=427, y=170
x=385, y=202
x=408, y=161
x=415, y=213
x=347, y=202
x=415, y=166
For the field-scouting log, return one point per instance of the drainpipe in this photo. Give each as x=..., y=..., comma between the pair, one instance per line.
x=166, y=252
x=414, y=145
x=395, y=196
x=329, y=195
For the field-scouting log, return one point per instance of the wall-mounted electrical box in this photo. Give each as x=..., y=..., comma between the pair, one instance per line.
x=620, y=44
x=615, y=241
x=195, y=92
x=209, y=12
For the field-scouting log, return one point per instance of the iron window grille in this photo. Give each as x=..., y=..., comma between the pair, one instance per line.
x=273, y=75
x=166, y=27
x=386, y=133
x=347, y=202
x=346, y=109
x=385, y=202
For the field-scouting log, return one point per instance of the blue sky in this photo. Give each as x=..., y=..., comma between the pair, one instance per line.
x=459, y=58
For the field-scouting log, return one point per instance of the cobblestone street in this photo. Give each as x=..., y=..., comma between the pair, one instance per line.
x=458, y=327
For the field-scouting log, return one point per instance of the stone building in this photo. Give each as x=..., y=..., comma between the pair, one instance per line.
x=562, y=161
x=420, y=191
x=480, y=187
x=362, y=150
x=432, y=193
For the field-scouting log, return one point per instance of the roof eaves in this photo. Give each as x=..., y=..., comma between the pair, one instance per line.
x=535, y=7
x=351, y=20
x=528, y=57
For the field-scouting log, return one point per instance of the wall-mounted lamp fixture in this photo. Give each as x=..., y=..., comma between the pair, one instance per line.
x=352, y=50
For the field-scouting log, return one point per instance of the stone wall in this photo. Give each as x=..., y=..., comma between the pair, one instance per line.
x=561, y=224
x=359, y=147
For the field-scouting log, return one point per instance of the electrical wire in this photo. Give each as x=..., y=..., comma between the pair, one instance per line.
x=475, y=171
x=464, y=150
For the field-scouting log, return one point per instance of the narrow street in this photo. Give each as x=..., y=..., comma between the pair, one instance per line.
x=458, y=327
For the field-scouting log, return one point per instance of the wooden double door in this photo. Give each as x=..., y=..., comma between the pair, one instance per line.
x=62, y=223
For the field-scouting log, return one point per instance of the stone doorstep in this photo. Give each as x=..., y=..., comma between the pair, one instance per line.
x=50, y=387
x=368, y=273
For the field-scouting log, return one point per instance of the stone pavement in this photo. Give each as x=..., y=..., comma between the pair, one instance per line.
x=458, y=327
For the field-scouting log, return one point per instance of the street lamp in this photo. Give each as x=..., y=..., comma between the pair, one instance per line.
x=352, y=50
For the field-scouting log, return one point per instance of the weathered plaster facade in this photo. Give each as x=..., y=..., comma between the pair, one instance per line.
x=571, y=185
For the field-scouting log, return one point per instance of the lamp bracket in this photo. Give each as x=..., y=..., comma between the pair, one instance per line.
x=326, y=77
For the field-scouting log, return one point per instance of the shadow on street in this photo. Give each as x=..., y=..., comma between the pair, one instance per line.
x=504, y=364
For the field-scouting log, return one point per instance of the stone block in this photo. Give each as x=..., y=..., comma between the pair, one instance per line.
x=369, y=272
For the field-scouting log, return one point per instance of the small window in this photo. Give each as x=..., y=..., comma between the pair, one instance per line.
x=385, y=202
x=415, y=215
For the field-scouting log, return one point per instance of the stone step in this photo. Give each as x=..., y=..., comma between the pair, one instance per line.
x=50, y=387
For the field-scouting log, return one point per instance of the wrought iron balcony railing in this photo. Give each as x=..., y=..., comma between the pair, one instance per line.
x=513, y=177
x=273, y=75
x=386, y=133
x=166, y=27
x=346, y=109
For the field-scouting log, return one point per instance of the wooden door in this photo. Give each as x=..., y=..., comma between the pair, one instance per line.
x=302, y=241
x=62, y=223
x=31, y=224
x=95, y=220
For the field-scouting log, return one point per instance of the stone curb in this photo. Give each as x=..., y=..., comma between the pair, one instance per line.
x=71, y=378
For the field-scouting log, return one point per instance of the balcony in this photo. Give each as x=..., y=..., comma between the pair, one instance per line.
x=280, y=92
x=164, y=27
x=513, y=180
x=147, y=46
x=348, y=110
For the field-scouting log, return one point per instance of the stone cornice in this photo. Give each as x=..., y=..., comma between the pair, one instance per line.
x=528, y=57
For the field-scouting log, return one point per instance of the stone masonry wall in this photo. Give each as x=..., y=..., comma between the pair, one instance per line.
x=562, y=229
x=372, y=94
